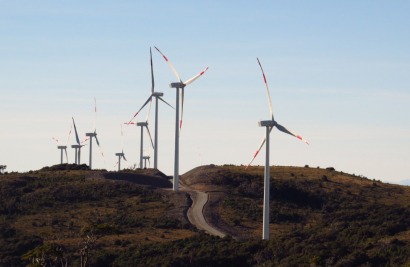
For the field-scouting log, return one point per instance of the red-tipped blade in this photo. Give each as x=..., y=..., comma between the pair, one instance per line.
x=170, y=65
x=283, y=129
x=135, y=115
x=267, y=89
x=152, y=72
x=150, y=137
x=196, y=76
x=258, y=150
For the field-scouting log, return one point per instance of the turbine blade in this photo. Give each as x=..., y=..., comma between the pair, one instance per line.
x=160, y=98
x=69, y=134
x=122, y=138
x=170, y=65
x=123, y=155
x=258, y=150
x=55, y=139
x=196, y=76
x=76, y=133
x=152, y=72
x=283, y=129
x=95, y=113
x=150, y=137
x=96, y=139
x=135, y=115
x=149, y=109
x=267, y=89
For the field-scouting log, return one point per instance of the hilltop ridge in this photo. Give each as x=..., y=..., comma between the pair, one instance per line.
x=319, y=217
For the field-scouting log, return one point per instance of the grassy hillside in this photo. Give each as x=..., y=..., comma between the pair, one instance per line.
x=319, y=217
x=66, y=208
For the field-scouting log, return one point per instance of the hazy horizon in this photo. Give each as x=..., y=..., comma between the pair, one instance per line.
x=337, y=73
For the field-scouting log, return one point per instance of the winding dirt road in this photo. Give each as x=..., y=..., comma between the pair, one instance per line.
x=195, y=212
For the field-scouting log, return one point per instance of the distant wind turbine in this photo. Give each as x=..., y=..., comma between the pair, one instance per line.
x=63, y=148
x=269, y=124
x=146, y=158
x=78, y=146
x=121, y=155
x=93, y=134
x=143, y=125
x=157, y=95
x=179, y=86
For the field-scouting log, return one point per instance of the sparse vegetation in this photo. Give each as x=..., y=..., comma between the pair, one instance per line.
x=69, y=215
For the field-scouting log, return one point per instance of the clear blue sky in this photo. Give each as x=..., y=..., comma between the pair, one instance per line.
x=338, y=72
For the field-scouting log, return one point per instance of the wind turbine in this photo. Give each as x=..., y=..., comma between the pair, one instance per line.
x=179, y=86
x=145, y=158
x=93, y=134
x=121, y=155
x=142, y=125
x=157, y=95
x=63, y=148
x=78, y=146
x=269, y=124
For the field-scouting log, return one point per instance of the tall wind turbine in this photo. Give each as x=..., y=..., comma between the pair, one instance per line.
x=269, y=124
x=77, y=147
x=157, y=95
x=92, y=135
x=179, y=86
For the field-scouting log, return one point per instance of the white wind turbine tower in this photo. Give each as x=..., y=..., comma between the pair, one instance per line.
x=269, y=124
x=63, y=148
x=77, y=147
x=179, y=86
x=121, y=155
x=157, y=95
x=93, y=134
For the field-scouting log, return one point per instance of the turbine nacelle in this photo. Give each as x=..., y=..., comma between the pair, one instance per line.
x=157, y=94
x=91, y=134
x=142, y=124
x=62, y=147
x=177, y=85
x=76, y=146
x=269, y=123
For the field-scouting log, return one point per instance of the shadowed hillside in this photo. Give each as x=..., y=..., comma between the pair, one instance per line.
x=67, y=208
x=319, y=217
